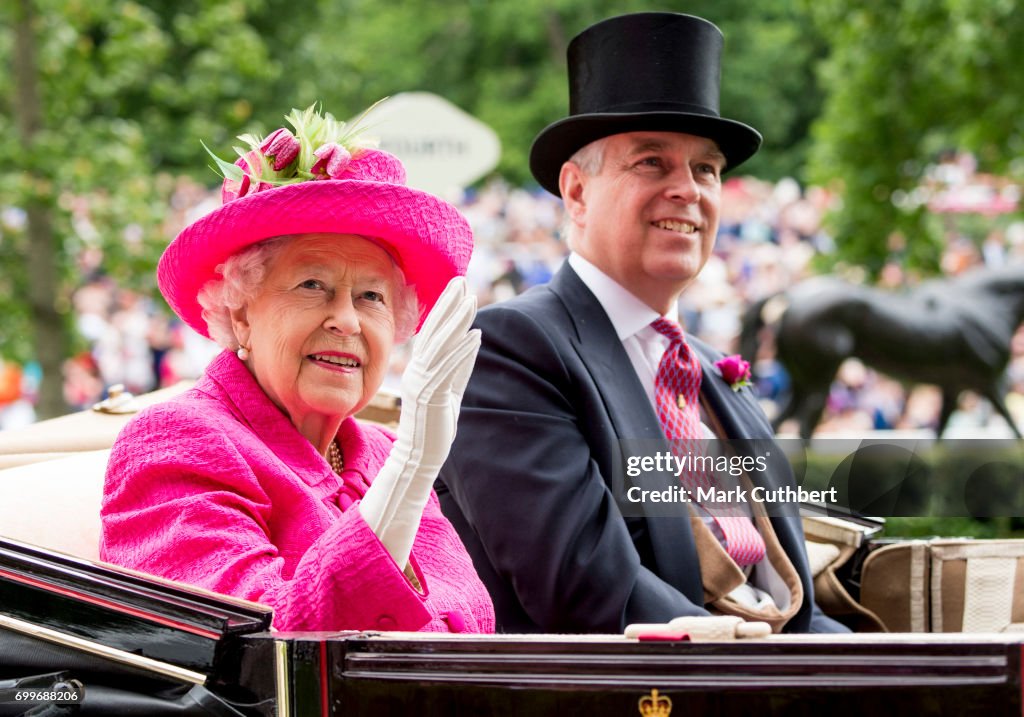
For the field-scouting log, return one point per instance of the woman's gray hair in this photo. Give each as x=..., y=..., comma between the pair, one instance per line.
x=243, y=274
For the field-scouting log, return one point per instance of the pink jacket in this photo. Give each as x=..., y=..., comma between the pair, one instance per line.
x=218, y=489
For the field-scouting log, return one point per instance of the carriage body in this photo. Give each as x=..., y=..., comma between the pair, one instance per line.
x=127, y=636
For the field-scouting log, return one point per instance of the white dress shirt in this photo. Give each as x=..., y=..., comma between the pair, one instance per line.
x=631, y=319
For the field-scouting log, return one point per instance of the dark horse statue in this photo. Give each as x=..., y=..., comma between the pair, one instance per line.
x=953, y=332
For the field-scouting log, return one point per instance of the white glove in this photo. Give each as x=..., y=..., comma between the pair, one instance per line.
x=432, y=387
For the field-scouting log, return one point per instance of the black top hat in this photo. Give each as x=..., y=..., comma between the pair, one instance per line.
x=653, y=71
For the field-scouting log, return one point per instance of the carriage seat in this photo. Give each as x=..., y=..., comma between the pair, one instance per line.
x=51, y=473
x=51, y=482
x=55, y=504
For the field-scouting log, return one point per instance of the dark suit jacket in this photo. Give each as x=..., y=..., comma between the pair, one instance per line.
x=528, y=482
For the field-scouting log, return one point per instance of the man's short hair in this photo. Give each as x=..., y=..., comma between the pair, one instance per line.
x=589, y=158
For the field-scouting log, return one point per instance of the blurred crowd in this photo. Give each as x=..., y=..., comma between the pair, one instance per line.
x=770, y=232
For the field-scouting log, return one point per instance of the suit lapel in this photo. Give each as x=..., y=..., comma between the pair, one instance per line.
x=632, y=417
x=740, y=416
x=737, y=411
x=601, y=352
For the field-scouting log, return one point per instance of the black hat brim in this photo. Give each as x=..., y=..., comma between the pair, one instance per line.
x=559, y=141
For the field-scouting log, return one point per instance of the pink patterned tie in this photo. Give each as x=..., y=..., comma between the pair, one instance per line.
x=676, y=393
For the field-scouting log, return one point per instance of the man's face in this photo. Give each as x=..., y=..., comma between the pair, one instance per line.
x=649, y=216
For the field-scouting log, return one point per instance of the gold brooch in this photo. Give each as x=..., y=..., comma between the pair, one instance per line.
x=681, y=401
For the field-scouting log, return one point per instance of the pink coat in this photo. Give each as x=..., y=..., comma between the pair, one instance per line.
x=216, y=488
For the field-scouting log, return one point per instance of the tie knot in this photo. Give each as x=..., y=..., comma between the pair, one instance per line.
x=668, y=328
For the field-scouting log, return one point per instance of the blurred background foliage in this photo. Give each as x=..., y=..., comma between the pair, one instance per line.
x=106, y=101
x=902, y=82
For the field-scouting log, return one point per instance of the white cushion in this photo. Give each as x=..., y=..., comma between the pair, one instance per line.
x=55, y=504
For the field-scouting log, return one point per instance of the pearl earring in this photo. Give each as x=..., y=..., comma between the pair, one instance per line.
x=242, y=353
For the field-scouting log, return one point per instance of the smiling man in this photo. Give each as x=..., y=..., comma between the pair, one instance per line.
x=571, y=373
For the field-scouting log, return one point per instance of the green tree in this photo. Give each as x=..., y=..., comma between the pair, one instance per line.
x=903, y=81
x=102, y=98
x=504, y=62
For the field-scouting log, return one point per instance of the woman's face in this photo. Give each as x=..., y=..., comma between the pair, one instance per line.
x=321, y=328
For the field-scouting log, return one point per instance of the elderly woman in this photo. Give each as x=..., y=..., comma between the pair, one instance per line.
x=258, y=482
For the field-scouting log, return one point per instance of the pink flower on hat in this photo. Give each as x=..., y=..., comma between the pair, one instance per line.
x=281, y=148
x=735, y=370
x=239, y=186
x=320, y=148
x=332, y=160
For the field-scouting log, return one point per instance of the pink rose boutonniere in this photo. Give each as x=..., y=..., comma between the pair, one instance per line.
x=735, y=370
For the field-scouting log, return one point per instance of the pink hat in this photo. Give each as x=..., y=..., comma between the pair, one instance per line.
x=316, y=181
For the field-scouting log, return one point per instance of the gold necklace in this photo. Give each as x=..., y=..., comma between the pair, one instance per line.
x=335, y=458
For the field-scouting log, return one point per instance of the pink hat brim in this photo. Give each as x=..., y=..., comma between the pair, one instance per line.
x=432, y=240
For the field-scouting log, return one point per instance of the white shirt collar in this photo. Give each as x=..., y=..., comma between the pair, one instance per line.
x=627, y=313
